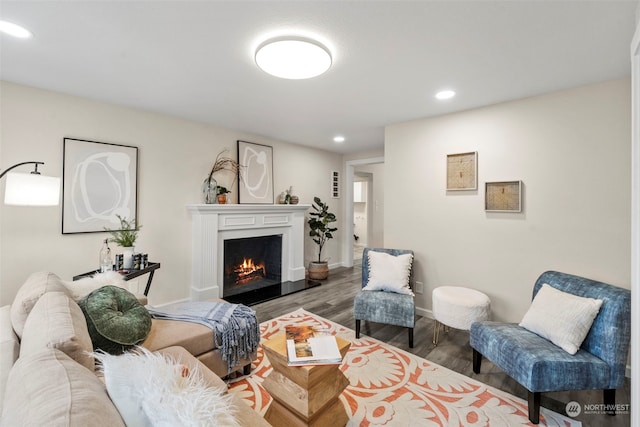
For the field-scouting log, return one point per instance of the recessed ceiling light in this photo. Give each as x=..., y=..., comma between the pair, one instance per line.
x=14, y=30
x=293, y=57
x=338, y=138
x=445, y=94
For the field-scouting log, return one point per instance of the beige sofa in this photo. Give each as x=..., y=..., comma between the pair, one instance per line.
x=47, y=376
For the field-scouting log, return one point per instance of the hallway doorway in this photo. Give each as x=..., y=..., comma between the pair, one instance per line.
x=364, y=188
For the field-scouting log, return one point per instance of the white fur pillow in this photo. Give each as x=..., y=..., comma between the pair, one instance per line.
x=562, y=318
x=389, y=273
x=83, y=287
x=151, y=389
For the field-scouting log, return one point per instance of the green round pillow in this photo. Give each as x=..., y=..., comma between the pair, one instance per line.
x=115, y=318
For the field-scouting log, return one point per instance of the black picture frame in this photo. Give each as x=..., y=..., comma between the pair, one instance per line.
x=255, y=186
x=99, y=181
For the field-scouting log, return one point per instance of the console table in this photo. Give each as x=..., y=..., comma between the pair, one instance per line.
x=129, y=274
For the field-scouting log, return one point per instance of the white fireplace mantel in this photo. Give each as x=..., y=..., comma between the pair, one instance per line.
x=213, y=224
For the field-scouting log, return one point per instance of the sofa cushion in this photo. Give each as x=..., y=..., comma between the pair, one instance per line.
x=196, y=338
x=9, y=348
x=155, y=389
x=562, y=318
x=56, y=321
x=115, y=319
x=33, y=288
x=49, y=388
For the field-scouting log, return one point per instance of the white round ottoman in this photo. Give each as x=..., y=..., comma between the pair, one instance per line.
x=458, y=308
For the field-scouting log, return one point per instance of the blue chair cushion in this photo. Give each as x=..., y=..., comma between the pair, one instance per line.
x=384, y=307
x=535, y=362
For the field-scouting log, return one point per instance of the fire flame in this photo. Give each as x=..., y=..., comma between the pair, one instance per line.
x=248, y=269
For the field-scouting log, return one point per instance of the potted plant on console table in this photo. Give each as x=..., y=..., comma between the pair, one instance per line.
x=320, y=224
x=125, y=237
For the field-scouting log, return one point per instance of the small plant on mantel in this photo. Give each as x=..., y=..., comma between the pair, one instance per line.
x=320, y=220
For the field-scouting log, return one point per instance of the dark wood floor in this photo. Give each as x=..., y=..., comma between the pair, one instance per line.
x=333, y=300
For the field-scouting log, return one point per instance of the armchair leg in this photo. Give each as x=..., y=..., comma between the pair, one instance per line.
x=534, y=407
x=410, y=337
x=357, y=328
x=246, y=370
x=609, y=396
x=477, y=361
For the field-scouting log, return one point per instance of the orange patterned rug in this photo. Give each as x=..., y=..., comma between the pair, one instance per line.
x=390, y=387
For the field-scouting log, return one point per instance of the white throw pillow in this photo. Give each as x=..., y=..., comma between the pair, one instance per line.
x=151, y=389
x=562, y=318
x=389, y=273
x=83, y=287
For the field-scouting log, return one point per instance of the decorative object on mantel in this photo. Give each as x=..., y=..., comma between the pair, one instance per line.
x=222, y=194
x=505, y=196
x=99, y=180
x=210, y=188
x=257, y=161
x=287, y=197
x=319, y=222
x=125, y=237
x=462, y=171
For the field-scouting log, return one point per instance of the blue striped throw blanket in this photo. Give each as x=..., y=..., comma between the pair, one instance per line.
x=236, y=332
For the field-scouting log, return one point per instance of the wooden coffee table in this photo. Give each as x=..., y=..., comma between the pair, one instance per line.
x=304, y=395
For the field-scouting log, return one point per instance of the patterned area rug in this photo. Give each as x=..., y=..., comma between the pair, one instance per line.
x=390, y=387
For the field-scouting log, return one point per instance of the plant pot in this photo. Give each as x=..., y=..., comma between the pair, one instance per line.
x=127, y=260
x=318, y=270
x=222, y=199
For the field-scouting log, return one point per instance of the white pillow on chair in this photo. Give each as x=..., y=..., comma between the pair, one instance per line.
x=389, y=273
x=562, y=318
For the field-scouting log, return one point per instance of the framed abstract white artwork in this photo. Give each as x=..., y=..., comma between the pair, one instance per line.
x=99, y=183
x=256, y=181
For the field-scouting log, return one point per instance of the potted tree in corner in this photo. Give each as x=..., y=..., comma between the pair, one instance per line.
x=319, y=221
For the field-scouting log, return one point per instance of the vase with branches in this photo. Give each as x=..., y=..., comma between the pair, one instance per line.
x=223, y=162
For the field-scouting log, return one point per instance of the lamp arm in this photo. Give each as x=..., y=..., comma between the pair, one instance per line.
x=20, y=164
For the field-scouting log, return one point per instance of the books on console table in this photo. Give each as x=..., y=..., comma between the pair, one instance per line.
x=310, y=345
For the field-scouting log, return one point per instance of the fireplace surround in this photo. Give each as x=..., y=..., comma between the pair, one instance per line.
x=214, y=224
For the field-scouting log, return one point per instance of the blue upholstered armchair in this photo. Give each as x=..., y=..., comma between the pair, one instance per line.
x=382, y=306
x=540, y=366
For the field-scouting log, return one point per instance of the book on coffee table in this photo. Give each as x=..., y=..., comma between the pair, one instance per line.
x=310, y=345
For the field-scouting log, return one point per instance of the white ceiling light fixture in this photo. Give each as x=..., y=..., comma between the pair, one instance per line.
x=293, y=57
x=445, y=94
x=338, y=139
x=14, y=30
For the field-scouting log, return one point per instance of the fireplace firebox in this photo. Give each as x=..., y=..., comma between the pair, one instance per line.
x=251, y=263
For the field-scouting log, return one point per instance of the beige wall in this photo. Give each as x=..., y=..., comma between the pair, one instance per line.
x=572, y=151
x=174, y=157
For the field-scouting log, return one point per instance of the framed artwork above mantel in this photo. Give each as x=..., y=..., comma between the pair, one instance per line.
x=255, y=185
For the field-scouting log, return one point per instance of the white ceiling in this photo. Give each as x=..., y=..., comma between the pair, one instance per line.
x=194, y=59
